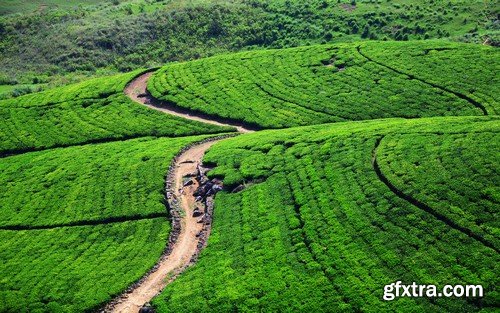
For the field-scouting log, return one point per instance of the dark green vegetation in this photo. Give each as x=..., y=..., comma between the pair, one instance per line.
x=9, y=91
x=125, y=35
x=115, y=190
x=92, y=111
x=331, y=83
x=317, y=229
x=28, y=6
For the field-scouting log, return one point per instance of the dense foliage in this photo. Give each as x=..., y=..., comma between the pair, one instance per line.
x=124, y=35
x=12, y=6
x=75, y=269
x=92, y=111
x=316, y=229
x=91, y=182
x=323, y=83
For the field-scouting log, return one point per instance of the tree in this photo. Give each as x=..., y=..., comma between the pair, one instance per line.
x=366, y=31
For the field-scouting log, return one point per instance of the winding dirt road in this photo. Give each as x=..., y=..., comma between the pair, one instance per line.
x=137, y=91
x=186, y=245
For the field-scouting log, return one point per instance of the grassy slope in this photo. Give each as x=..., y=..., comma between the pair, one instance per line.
x=145, y=33
x=81, y=267
x=467, y=69
x=457, y=175
x=91, y=182
x=93, y=111
x=310, y=85
x=323, y=233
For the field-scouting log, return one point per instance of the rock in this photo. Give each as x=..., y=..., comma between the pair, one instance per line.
x=146, y=309
x=197, y=212
x=188, y=183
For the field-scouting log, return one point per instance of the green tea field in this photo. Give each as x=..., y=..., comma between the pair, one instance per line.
x=92, y=111
x=249, y=156
x=318, y=224
x=71, y=222
x=318, y=84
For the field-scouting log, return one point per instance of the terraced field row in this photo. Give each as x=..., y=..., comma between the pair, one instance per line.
x=316, y=230
x=430, y=168
x=75, y=269
x=327, y=83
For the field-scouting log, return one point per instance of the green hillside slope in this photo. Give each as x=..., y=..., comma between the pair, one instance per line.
x=331, y=83
x=468, y=70
x=76, y=269
x=456, y=175
x=92, y=111
x=318, y=227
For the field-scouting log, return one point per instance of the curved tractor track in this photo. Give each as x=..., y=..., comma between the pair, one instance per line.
x=188, y=233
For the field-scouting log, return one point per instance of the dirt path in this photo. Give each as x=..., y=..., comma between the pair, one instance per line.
x=187, y=242
x=138, y=86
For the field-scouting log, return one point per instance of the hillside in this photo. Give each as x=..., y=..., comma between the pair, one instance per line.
x=249, y=155
x=318, y=229
x=50, y=44
x=92, y=111
x=331, y=83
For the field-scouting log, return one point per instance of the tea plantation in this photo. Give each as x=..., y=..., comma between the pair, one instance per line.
x=374, y=161
x=331, y=83
x=80, y=224
x=317, y=230
x=93, y=111
x=456, y=175
x=76, y=269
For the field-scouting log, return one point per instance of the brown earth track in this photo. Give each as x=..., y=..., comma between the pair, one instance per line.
x=137, y=91
x=188, y=236
x=185, y=246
